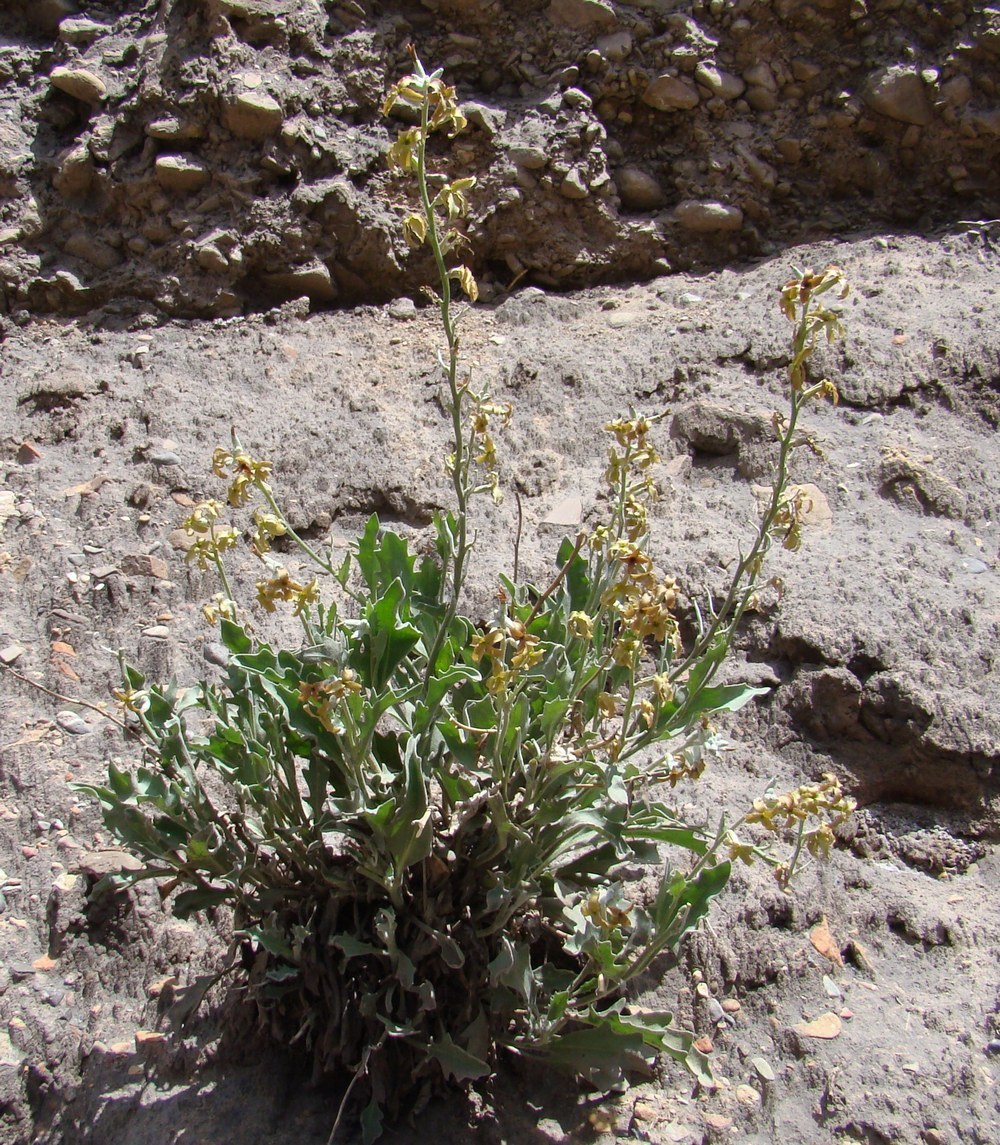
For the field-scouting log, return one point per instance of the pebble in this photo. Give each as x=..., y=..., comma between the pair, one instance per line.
x=79, y=83
x=72, y=723
x=11, y=653
x=747, y=1095
x=157, y=632
x=163, y=457
x=968, y=564
x=993, y=1046
x=763, y=1068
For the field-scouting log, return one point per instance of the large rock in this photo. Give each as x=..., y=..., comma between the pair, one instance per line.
x=668, y=93
x=899, y=93
x=705, y=216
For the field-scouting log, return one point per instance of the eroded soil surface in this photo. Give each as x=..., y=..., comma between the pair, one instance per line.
x=880, y=656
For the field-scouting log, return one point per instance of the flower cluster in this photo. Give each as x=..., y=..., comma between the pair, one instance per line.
x=210, y=540
x=510, y=651
x=323, y=697
x=282, y=586
x=243, y=472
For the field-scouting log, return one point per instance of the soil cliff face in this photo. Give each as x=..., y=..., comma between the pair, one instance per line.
x=210, y=157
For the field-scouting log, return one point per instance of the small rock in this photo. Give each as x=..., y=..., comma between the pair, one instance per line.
x=574, y=186
x=402, y=309
x=668, y=93
x=825, y=1026
x=145, y=565
x=568, y=513
x=899, y=93
x=731, y=1006
x=253, y=115
x=707, y=216
x=44, y=964
x=967, y=564
x=992, y=1046
x=718, y=1122
x=311, y=280
x=97, y=864
x=157, y=632
x=72, y=723
x=79, y=83
x=491, y=120
x=181, y=173
x=149, y=1041
x=162, y=456
x=530, y=158
x=638, y=189
x=582, y=13
x=11, y=653
x=715, y=1011
x=215, y=653
x=171, y=129
x=723, y=84
x=80, y=30
x=704, y=1044
x=763, y=1068
x=748, y=1096
x=28, y=453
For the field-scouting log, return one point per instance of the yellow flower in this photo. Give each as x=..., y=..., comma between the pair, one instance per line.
x=202, y=516
x=581, y=625
x=282, y=586
x=489, y=644
x=268, y=527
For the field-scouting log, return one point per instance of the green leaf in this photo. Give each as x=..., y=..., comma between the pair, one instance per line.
x=456, y=1063
x=234, y=637
x=353, y=947
x=371, y=1122
x=577, y=581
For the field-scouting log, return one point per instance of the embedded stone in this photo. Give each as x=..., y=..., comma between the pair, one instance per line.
x=707, y=216
x=91, y=249
x=181, y=173
x=79, y=83
x=899, y=93
x=582, y=13
x=668, y=93
x=574, y=186
x=723, y=84
x=171, y=128
x=75, y=173
x=638, y=189
x=311, y=281
x=615, y=47
x=253, y=115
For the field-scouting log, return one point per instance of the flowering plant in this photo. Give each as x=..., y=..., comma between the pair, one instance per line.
x=424, y=825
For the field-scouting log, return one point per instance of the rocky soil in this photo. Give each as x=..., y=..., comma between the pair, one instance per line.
x=199, y=232
x=206, y=157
